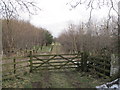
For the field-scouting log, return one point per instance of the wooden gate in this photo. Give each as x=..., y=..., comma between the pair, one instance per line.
x=54, y=61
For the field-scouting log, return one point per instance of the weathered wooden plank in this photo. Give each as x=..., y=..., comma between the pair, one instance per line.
x=54, y=68
x=11, y=70
x=54, y=55
x=14, y=65
x=102, y=69
x=57, y=62
x=99, y=58
x=64, y=64
x=46, y=61
x=7, y=64
x=107, y=77
x=30, y=61
x=11, y=58
x=38, y=59
x=68, y=59
x=97, y=62
x=68, y=64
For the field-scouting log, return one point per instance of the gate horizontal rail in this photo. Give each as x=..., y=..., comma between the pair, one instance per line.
x=50, y=60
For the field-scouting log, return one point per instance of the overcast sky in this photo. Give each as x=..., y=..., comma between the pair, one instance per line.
x=55, y=15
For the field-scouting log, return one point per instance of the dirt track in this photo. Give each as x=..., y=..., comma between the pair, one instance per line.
x=63, y=79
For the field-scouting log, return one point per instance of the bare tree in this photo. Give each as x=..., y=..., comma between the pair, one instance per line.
x=92, y=38
x=96, y=4
x=12, y=8
x=20, y=34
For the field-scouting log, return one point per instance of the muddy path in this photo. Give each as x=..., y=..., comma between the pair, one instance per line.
x=42, y=80
x=54, y=79
x=63, y=79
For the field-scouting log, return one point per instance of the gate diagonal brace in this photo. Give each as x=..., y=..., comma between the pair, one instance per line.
x=46, y=61
x=38, y=59
x=68, y=60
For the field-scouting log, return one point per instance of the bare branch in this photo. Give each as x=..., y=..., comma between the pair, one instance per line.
x=100, y=3
x=9, y=8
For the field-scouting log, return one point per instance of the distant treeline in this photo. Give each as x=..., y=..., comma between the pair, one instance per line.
x=18, y=34
x=95, y=37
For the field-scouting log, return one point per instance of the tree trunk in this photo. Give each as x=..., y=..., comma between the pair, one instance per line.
x=1, y=53
x=119, y=37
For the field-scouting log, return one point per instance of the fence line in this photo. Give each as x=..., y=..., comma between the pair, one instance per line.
x=81, y=61
x=100, y=66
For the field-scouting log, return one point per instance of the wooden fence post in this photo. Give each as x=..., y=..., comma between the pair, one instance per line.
x=82, y=60
x=78, y=63
x=114, y=66
x=30, y=61
x=51, y=48
x=118, y=39
x=85, y=61
x=14, y=60
x=104, y=66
